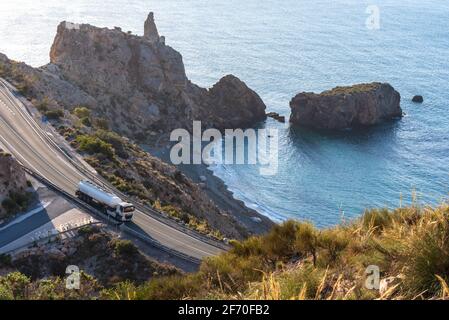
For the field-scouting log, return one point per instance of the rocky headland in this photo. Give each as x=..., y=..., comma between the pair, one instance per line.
x=346, y=107
x=136, y=83
x=139, y=84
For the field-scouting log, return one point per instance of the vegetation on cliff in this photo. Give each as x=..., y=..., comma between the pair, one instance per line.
x=105, y=261
x=136, y=173
x=297, y=261
x=14, y=194
x=129, y=168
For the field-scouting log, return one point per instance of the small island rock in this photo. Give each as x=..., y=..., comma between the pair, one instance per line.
x=346, y=107
x=418, y=99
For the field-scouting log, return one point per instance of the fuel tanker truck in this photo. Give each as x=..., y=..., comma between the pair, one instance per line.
x=105, y=201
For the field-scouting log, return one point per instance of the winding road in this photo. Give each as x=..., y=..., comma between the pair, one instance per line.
x=31, y=145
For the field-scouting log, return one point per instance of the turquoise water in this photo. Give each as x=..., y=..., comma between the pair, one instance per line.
x=280, y=48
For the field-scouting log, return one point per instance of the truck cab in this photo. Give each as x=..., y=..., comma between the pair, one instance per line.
x=126, y=211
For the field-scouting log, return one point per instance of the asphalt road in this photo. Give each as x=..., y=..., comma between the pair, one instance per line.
x=23, y=137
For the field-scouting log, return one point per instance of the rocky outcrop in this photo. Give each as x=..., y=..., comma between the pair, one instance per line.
x=150, y=29
x=346, y=107
x=12, y=179
x=140, y=83
x=418, y=99
x=276, y=116
x=239, y=106
x=44, y=84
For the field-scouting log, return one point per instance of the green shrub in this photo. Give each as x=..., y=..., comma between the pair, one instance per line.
x=14, y=285
x=333, y=241
x=125, y=248
x=307, y=278
x=81, y=112
x=86, y=121
x=87, y=230
x=42, y=105
x=165, y=288
x=377, y=219
x=5, y=260
x=94, y=145
x=115, y=140
x=101, y=123
x=306, y=241
x=280, y=242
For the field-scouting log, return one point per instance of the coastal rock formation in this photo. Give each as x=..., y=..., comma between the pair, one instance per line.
x=140, y=83
x=239, y=105
x=44, y=84
x=276, y=116
x=418, y=99
x=346, y=107
x=150, y=29
x=12, y=179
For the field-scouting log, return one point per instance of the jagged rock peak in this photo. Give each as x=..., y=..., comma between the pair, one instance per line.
x=150, y=29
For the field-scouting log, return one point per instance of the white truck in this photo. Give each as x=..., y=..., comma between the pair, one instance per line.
x=106, y=202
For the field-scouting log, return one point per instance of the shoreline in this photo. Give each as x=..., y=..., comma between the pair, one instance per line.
x=253, y=221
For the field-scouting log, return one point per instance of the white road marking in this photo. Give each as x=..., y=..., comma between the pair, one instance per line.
x=7, y=107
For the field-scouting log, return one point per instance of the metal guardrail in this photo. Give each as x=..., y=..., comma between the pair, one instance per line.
x=156, y=244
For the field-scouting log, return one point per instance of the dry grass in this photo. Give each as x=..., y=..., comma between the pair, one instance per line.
x=297, y=261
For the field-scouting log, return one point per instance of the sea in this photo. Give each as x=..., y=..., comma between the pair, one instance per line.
x=281, y=48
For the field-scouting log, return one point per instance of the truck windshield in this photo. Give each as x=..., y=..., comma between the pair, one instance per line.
x=129, y=209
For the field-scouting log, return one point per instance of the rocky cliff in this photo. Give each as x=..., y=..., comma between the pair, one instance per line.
x=140, y=83
x=346, y=107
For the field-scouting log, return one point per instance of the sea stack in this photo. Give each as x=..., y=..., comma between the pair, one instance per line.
x=346, y=107
x=150, y=29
